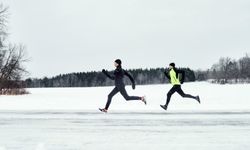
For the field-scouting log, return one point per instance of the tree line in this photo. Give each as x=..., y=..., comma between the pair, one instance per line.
x=97, y=78
x=227, y=70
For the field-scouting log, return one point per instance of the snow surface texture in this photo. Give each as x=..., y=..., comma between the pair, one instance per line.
x=213, y=97
x=68, y=119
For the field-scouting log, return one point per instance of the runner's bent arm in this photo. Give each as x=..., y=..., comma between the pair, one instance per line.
x=131, y=79
x=108, y=75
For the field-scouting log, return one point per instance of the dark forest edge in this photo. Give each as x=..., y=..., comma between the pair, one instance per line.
x=93, y=79
x=226, y=70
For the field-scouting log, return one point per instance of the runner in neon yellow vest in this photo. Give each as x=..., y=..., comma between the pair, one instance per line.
x=173, y=74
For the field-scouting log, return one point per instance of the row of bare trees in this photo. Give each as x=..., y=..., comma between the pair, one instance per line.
x=228, y=70
x=12, y=57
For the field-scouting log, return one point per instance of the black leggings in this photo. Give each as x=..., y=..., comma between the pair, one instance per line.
x=123, y=92
x=177, y=88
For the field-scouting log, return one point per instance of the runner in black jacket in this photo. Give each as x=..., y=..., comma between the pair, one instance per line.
x=119, y=85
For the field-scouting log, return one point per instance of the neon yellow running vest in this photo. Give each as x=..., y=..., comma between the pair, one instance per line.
x=173, y=79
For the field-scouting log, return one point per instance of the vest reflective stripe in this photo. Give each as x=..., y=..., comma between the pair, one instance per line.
x=173, y=79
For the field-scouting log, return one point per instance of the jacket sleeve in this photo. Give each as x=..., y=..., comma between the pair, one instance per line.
x=182, y=72
x=108, y=75
x=130, y=77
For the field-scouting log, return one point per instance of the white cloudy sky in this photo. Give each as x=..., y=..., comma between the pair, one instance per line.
x=64, y=36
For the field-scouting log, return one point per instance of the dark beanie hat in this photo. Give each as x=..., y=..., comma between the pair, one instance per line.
x=172, y=64
x=118, y=61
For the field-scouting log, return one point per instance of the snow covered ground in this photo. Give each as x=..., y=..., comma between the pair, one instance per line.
x=68, y=119
x=214, y=98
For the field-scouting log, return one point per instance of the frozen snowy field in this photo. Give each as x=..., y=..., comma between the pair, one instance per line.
x=68, y=119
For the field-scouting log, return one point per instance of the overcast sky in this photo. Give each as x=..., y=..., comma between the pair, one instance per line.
x=64, y=36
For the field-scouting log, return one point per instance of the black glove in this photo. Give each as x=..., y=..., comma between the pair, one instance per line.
x=133, y=86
